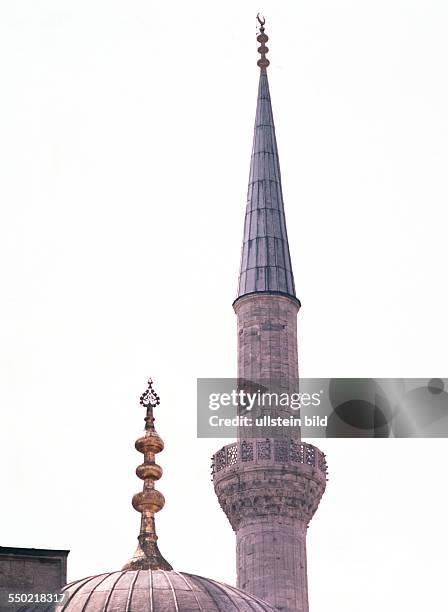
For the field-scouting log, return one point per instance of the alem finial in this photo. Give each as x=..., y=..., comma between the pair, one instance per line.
x=262, y=38
x=149, y=501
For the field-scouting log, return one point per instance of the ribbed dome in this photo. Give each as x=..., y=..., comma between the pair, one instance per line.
x=153, y=591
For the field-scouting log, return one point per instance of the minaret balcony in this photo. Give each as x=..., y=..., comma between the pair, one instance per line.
x=277, y=477
x=269, y=452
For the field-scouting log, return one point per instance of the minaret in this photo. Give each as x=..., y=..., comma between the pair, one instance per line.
x=269, y=488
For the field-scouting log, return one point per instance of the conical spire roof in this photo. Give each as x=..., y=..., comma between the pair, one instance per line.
x=265, y=259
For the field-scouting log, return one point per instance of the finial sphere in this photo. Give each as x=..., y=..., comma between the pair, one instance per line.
x=148, y=501
x=149, y=471
x=151, y=442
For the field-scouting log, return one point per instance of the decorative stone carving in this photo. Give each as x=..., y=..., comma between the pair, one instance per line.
x=264, y=449
x=247, y=451
x=292, y=487
x=281, y=450
x=285, y=451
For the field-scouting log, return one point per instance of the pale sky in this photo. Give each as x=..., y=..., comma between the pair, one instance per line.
x=126, y=130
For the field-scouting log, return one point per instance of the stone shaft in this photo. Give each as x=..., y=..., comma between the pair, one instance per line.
x=270, y=488
x=271, y=560
x=267, y=338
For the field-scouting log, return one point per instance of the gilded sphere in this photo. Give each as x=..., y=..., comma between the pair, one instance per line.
x=150, y=443
x=148, y=501
x=149, y=470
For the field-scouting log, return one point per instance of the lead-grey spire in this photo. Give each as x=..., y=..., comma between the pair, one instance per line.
x=265, y=259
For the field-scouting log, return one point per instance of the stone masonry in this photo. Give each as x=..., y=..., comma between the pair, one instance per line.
x=30, y=570
x=267, y=337
x=270, y=488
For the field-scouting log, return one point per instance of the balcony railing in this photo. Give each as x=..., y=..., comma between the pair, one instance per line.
x=269, y=450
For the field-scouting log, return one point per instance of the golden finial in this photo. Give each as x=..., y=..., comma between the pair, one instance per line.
x=149, y=501
x=262, y=38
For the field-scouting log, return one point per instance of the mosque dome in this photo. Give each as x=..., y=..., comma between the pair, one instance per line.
x=147, y=582
x=153, y=591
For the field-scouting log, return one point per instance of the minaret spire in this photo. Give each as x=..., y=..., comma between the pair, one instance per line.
x=149, y=501
x=265, y=259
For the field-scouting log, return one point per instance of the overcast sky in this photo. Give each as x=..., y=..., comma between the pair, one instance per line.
x=126, y=131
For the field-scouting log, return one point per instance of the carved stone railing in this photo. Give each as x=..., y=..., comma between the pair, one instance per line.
x=268, y=451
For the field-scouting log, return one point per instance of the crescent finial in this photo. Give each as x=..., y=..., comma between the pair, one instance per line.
x=262, y=38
